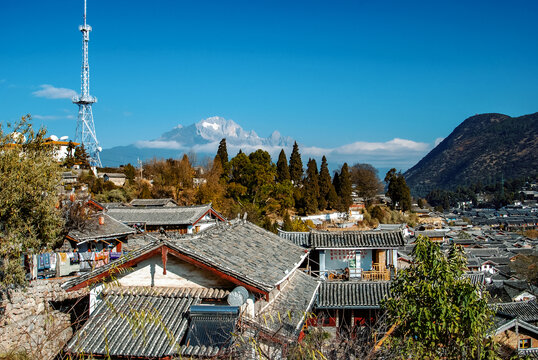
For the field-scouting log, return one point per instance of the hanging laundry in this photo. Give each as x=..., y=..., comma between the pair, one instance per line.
x=46, y=261
x=53, y=261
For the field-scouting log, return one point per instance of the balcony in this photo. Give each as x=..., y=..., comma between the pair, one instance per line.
x=377, y=273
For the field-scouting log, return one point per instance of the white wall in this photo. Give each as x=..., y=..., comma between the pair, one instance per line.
x=178, y=274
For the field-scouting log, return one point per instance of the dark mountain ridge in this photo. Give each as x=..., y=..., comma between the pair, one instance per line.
x=481, y=148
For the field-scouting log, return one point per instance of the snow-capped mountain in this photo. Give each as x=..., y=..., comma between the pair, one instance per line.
x=216, y=128
x=202, y=138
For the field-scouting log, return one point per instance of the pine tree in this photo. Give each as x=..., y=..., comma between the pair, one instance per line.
x=398, y=191
x=296, y=165
x=311, y=186
x=282, y=170
x=324, y=184
x=222, y=153
x=82, y=157
x=345, y=188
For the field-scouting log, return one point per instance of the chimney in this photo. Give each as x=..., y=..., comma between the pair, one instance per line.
x=101, y=220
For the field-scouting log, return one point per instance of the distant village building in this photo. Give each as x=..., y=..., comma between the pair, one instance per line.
x=117, y=179
x=180, y=219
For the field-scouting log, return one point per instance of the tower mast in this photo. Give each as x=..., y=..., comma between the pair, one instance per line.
x=85, y=127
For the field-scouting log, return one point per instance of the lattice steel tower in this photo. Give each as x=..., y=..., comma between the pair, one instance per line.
x=85, y=127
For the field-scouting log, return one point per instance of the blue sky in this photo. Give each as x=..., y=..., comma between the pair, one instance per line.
x=327, y=73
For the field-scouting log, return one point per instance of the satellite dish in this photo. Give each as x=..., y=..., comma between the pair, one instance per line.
x=63, y=138
x=238, y=296
x=54, y=138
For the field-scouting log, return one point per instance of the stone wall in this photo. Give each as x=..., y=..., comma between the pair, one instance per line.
x=29, y=325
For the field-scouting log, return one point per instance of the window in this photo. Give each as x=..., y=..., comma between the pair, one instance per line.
x=524, y=343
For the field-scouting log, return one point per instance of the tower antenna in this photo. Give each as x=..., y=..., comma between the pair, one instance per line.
x=85, y=133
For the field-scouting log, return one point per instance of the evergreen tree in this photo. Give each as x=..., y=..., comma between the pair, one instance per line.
x=324, y=184
x=345, y=188
x=130, y=172
x=296, y=165
x=287, y=225
x=222, y=153
x=311, y=186
x=398, y=191
x=282, y=170
x=82, y=157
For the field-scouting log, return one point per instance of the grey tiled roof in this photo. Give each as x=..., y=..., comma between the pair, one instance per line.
x=287, y=313
x=476, y=277
x=241, y=250
x=244, y=251
x=357, y=239
x=296, y=237
x=524, y=310
x=111, y=228
x=153, y=202
x=139, y=325
x=179, y=215
x=352, y=294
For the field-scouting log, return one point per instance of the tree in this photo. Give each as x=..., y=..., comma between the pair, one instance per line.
x=366, y=181
x=344, y=189
x=130, y=172
x=439, y=314
x=398, y=191
x=29, y=216
x=81, y=157
x=325, y=185
x=70, y=156
x=282, y=170
x=296, y=165
x=311, y=186
x=222, y=153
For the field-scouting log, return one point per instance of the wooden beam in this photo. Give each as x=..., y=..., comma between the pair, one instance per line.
x=164, y=255
x=111, y=271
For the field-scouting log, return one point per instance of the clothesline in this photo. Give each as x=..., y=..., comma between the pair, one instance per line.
x=47, y=265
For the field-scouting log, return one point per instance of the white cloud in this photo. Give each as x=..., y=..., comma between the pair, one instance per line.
x=438, y=140
x=51, y=92
x=53, y=117
x=399, y=153
x=159, y=144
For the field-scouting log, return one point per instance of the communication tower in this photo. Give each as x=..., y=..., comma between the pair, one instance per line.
x=85, y=127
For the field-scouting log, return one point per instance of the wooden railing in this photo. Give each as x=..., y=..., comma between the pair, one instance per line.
x=378, y=273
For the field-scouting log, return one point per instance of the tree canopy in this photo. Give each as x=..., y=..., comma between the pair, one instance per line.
x=398, y=191
x=438, y=313
x=366, y=180
x=29, y=216
x=296, y=165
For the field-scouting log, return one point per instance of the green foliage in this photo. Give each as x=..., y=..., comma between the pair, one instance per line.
x=282, y=169
x=29, y=215
x=398, y=191
x=326, y=189
x=296, y=165
x=130, y=172
x=311, y=187
x=344, y=188
x=222, y=153
x=439, y=313
x=81, y=157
